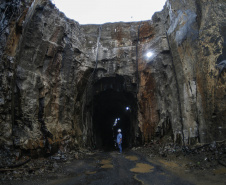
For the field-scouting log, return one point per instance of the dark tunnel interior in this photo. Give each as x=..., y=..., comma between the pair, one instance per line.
x=109, y=104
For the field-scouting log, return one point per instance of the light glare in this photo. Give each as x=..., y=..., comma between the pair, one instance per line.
x=149, y=54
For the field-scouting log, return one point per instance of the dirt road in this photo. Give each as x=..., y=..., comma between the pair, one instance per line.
x=116, y=169
x=111, y=168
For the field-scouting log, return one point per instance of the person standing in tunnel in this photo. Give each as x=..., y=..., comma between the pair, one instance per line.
x=119, y=140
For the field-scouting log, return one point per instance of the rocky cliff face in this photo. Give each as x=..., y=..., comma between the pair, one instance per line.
x=184, y=85
x=197, y=42
x=60, y=80
x=13, y=14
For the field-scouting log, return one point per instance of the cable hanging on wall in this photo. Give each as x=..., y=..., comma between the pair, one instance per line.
x=92, y=74
x=137, y=56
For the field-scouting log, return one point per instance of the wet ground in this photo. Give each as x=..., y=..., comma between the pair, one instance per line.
x=131, y=167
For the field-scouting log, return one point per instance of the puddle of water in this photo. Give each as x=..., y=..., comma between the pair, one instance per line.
x=107, y=166
x=90, y=173
x=142, y=168
x=132, y=158
x=220, y=171
x=169, y=164
x=136, y=178
x=106, y=163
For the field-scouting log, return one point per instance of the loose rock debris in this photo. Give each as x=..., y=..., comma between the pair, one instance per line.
x=13, y=166
x=201, y=156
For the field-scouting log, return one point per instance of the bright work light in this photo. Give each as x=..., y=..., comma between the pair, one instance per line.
x=149, y=54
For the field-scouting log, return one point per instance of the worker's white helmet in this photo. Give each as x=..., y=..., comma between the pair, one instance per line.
x=119, y=130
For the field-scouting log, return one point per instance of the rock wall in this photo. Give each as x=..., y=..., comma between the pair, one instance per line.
x=185, y=90
x=55, y=66
x=12, y=16
x=49, y=65
x=197, y=42
x=158, y=95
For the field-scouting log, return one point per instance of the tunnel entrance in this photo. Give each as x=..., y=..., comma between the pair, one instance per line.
x=113, y=108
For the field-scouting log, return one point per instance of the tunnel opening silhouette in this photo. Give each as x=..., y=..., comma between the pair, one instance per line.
x=113, y=101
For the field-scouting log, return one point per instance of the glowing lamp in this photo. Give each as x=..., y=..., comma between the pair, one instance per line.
x=149, y=54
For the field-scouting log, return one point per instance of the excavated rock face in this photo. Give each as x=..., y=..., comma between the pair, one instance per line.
x=197, y=42
x=64, y=84
x=158, y=97
x=184, y=83
x=12, y=16
x=58, y=78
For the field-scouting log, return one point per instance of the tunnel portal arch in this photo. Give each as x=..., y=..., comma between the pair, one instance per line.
x=111, y=97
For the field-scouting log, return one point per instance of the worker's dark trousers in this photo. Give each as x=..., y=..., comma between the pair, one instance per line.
x=120, y=147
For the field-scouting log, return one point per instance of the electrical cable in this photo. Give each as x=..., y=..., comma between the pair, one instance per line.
x=137, y=55
x=91, y=76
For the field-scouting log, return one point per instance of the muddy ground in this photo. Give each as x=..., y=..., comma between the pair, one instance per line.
x=150, y=164
x=199, y=167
